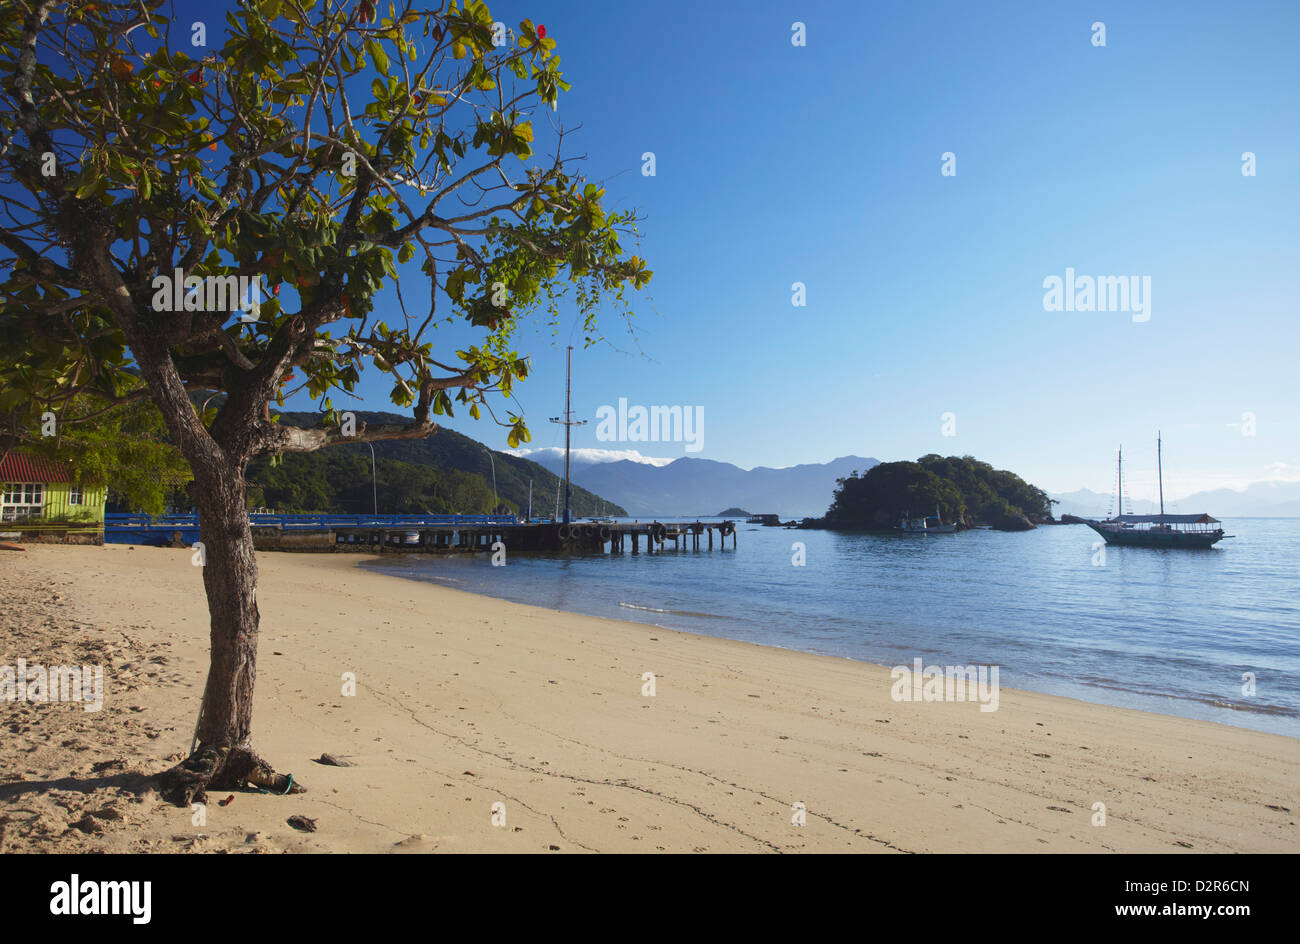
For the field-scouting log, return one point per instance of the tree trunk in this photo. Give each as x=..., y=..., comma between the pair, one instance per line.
x=230, y=579
x=224, y=756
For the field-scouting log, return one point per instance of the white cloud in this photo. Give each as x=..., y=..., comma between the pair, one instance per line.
x=1283, y=472
x=592, y=456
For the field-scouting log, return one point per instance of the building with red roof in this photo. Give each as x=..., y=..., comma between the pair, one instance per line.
x=33, y=488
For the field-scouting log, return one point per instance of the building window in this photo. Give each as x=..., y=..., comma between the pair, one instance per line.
x=22, y=500
x=75, y=496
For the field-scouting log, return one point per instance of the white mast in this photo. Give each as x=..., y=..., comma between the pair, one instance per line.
x=1160, y=472
x=1120, y=497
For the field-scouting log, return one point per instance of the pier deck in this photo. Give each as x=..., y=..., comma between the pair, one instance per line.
x=430, y=533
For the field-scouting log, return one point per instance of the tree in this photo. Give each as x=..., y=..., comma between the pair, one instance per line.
x=124, y=447
x=317, y=149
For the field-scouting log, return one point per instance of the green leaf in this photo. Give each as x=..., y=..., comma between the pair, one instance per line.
x=89, y=180
x=378, y=55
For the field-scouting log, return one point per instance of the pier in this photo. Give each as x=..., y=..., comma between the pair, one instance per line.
x=425, y=534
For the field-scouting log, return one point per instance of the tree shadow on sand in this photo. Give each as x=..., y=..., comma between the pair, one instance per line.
x=129, y=781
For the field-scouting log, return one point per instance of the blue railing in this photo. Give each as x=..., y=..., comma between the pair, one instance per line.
x=128, y=527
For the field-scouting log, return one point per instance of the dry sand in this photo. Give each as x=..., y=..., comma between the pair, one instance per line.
x=463, y=702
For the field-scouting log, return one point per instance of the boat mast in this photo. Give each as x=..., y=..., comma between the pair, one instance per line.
x=1160, y=472
x=568, y=374
x=1119, y=498
x=568, y=423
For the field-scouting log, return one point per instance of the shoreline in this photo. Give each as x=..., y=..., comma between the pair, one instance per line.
x=464, y=701
x=1232, y=714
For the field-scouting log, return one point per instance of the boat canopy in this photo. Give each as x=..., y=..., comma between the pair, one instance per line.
x=1166, y=519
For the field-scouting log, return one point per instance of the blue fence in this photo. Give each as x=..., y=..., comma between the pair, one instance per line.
x=159, y=529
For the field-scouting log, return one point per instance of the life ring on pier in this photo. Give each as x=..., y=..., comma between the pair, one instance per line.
x=604, y=533
x=565, y=532
x=658, y=531
x=726, y=529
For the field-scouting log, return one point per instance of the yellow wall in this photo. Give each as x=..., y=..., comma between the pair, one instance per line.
x=58, y=504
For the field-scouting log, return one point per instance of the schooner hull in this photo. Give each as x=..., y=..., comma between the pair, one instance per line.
x=1150, y=538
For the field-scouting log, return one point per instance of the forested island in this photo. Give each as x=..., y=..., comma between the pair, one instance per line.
x=964, y=491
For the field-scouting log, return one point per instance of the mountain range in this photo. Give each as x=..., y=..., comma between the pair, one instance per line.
x=692, y=487
x=1260, y=500
x=696, y=487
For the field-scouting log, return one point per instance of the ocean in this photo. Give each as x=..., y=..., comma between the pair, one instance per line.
x=1213, y=635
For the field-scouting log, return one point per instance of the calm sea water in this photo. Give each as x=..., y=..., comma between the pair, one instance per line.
x=1166, y=631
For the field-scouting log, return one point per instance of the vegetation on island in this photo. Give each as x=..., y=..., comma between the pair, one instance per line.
x=732, y=513
x=963, y=489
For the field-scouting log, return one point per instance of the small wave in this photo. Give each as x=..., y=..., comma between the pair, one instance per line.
x=1259, y=709
x=412, y=573
x=655, y=609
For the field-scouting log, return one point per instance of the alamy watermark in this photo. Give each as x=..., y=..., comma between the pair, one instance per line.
x=1130, y=293
x=64, y=683
x=77, y=897
x=179, y=292
x=946, y=683
x=684, y=424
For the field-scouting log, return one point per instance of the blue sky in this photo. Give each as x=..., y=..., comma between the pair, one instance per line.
x=821, y=164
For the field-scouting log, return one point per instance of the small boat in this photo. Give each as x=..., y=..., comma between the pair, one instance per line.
x=1162, y=530
x=931, y=524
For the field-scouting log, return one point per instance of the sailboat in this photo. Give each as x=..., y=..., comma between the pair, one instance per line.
x=1162, y=530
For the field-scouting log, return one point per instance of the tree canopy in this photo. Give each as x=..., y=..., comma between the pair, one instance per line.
x=316, y=149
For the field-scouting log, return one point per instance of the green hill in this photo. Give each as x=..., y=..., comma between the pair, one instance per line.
x=962, y=488
x=444, y=474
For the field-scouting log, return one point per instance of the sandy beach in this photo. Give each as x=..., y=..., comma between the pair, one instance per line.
x=464, y=702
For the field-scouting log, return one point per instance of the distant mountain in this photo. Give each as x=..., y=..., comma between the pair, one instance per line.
x=691, y=487
x=579, y=458
x=1085, y=503
x=451, y=451
x=1260, y=500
